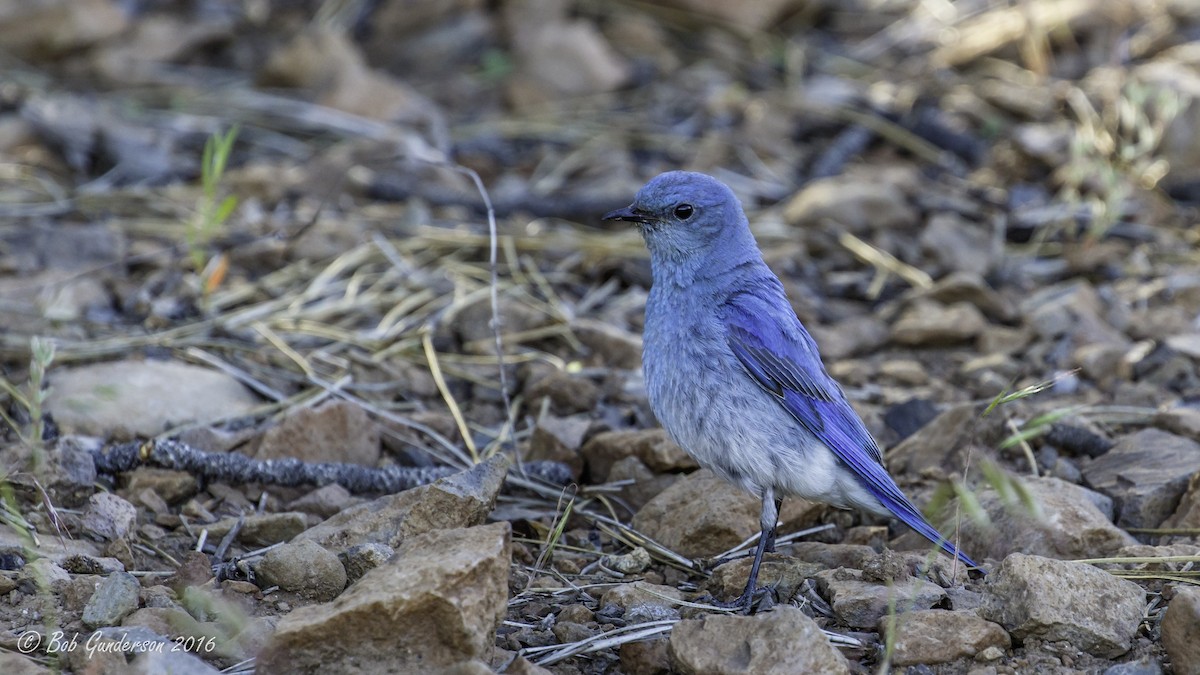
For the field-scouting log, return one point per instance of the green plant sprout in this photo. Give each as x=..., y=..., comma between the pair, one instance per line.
x=211, y=210
x=32, y=399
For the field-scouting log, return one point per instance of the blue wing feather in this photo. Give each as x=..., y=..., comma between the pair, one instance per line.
x=783, y=359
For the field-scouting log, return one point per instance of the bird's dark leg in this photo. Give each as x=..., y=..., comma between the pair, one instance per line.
x=767, y=520
x=769, y=535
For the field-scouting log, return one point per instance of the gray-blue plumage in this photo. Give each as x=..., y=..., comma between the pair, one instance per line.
x=732, y=374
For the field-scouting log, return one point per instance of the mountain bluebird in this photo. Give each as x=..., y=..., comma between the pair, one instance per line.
x=733, y=376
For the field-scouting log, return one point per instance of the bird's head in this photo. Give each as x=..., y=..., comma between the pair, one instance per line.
x=687, y=216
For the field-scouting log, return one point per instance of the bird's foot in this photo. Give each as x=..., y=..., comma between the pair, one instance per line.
x=752, y=600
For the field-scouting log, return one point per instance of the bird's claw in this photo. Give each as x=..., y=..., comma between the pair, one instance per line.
x=760, y=598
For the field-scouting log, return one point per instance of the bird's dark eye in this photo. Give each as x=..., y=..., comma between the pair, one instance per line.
x=684, y=211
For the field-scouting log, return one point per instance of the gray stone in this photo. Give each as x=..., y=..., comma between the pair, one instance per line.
x=932, y=636
x=326, y=501
x=725, y=645
x=170, y=661
x=123, y=400
x=1052, y=600
x=358, y=560
x=338, y=431
x=1146, y=473
x=860, y=603
x=651, y=446
x=861, y=202
x=699, y=515
x=114, y=598
x=782, y=573
x=1072, y=308
x=559, y=439
x=1181, y=630
x=108, y=516
x=957, y=244
x=437, y=603
x=461, y=500
x=1061, y=520
x=643, y=601
x=305, y=568
x=262, y=529
x=928, y=324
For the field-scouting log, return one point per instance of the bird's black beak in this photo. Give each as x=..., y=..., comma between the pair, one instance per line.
x=629, y=214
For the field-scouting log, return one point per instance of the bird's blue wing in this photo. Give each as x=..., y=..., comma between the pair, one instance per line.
x=782, y=358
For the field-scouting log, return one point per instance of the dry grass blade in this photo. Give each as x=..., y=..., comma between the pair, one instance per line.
x=595, y=643
x=884, y=261
x=436, y=370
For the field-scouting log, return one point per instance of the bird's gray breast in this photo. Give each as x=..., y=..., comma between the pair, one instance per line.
x=703, y=397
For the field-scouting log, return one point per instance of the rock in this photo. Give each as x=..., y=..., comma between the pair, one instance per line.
x=194, y=570
x=1002, y=340
x=108, y=516
x=559, y=439
x=1181, y=630
x=70, y=476
x=648, y=657
x=645, y=485
x=558, y=56
x=1179, y=421
x=1146, y=473
x=929, y=636
x=861, y=603
x=1067, y=523
x=612, y=346
x=968, y=286
x=862, y=201
x=958, y=245
x=54, y=29
x=653, y=447
x=1187, y=514
x=172, y=487
x=358, y=560
x=568, y=394
x=907, y=372
x=44, y=571
x=634, y=562
x=86, y=564
x=329, y=66
x=262, y=529
x=13, y=663
x=338, y=431
x=304, y=568
x=1052, y=600
x=855, y=336
x=461, y=500
x=326, y=501
x=719, y=645
x=643, y=601
x=946, y=440
x=783, y=573
x=154, y=662
x=832, y=556
x=437, y=603
x=911, y=416
x=699, y=515
x=114, y=598
x=1072, y=308
x=123, y=400
x=925, y=324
